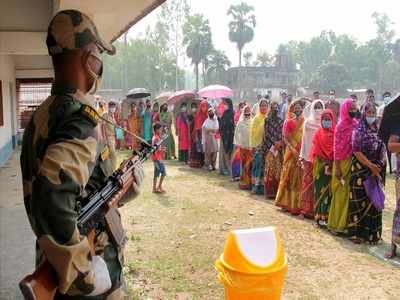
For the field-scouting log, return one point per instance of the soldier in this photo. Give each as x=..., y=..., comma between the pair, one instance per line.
x=108, y=132
x=62, y=159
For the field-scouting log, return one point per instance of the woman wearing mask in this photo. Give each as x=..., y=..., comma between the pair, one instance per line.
x=147, y=126
x=365, y=220
x=134, y=125
x=242, y=142
x=196, y=157
x=273, y=147
x=288, y=196
x=155, y=114
x=322, y=158
x=256, y=139
x=210, y=144
x=183, y=134
x=227, y=130
x=166, y=121
x=342, y=152
x=311, y=124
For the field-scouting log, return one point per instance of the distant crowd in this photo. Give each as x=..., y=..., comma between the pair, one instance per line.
x=320, y=159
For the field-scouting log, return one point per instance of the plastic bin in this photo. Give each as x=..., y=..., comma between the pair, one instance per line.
x=253, y=265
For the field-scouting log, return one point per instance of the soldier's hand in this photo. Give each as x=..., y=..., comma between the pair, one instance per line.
x=102, y=281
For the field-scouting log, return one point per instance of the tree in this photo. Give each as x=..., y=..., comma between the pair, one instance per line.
x=247, y=58
x=396, y=51
x=241, y=27
x=264, y=59
x=197, y=39
x=332, y=76
x=218, y=64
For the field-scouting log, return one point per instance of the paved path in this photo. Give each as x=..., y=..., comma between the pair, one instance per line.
x=16, y=237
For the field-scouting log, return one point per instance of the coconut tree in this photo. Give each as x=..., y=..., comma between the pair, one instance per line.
x=241, y=27
x=218, y=63
x=197, y=39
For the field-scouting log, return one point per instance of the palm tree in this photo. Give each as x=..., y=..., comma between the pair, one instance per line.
x=197, y=39
x=241, y=28
x=247, y=58
x=264, y=59
x=218, y=63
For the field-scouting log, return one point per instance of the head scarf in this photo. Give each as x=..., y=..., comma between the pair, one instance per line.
x=209, y=123
x=322, y=144
x=311, y=125
x=344, y=130
x=242, y=131
x=365, y=139
x=257, y=126
x=272, y=129
x=201, y=116
x=227, y=126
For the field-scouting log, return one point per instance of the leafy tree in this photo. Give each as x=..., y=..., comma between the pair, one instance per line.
x=197, y=39
x=218, y=64
x=264, y=59
x=332, y=76
x=241, y=27
x=247, y=58
x=396, y=51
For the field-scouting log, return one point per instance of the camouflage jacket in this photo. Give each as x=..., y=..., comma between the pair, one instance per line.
x=61, y=157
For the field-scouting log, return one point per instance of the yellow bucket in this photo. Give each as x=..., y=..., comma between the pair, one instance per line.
x=253, y=265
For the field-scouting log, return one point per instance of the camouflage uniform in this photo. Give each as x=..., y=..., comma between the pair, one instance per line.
x=61, y=160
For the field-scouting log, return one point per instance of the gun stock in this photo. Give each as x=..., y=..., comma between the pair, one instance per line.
x=41, y=285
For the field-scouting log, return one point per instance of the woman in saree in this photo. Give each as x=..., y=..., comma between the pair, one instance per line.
x=322, y=157
x=236, y=162
x=288, y=195
x=196, y=157
x=342, y=154
x=133, y=124
x=312, y=123
x=166, y=120
x=210, y=143
x=155, y=114
x=242, y=142
x=183, y=133
x=364, y=219
x=227, y=130
x=272, y=146
x=147, y=126
x=394, y=147
x=256, y=139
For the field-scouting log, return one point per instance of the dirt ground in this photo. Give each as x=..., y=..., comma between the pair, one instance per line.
x=175, y=238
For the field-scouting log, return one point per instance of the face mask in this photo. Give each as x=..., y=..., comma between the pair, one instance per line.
x=331, y=97
x=194, y=109
x=211, y=115
x=112, y=109
x=370, y=120
x=326, y=124
x=386, y=100
x=96, y=77
x=354, y=114
x=247, y=115
x=183, y=109
x=297, y=113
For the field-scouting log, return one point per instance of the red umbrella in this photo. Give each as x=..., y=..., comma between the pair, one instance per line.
x=180, y=95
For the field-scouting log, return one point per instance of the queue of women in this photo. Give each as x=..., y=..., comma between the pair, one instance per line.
x=308, y=162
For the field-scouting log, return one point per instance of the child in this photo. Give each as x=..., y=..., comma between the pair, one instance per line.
x=159, y=167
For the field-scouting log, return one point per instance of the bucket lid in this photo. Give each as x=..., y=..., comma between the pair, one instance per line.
x=256, y=250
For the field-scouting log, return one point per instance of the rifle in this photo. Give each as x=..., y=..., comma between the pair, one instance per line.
x=42, y=283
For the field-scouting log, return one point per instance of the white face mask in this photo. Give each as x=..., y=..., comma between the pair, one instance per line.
x=331, y=97
x=371, y=120
x=112, y=109
x=386, y=100
x=96, y=78
x=183, y=109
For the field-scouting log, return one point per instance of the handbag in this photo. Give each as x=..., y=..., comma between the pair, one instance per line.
x=373, y=188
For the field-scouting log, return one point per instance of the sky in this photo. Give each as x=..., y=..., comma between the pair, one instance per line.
x=280, y=21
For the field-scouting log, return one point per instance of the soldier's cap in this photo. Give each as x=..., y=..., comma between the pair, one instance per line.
x=72, y=30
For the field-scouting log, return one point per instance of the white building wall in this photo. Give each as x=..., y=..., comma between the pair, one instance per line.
x=8, y=130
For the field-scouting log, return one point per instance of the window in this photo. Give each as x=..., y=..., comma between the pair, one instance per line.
x=1, y=105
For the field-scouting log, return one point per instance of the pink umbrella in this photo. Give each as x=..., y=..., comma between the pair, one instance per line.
x=179, y=95
x=215, y=91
